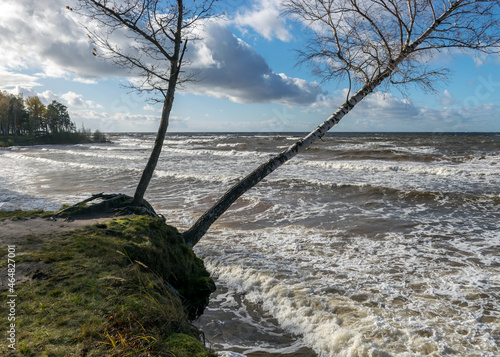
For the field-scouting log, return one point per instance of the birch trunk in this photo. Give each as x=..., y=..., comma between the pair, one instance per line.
x=15, y=119
x=193, y=235
x=148, y=171
x=175, y=63
x=198, y=230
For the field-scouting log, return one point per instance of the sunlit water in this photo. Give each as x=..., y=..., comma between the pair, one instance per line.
x=365, y=245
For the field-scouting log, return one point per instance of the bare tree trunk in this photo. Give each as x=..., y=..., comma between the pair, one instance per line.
x=198, y=230
x=175, y=63
x=148, y=171
x=15, y=120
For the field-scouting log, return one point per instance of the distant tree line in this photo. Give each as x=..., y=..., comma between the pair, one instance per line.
x=29, y=121
x=30, y=116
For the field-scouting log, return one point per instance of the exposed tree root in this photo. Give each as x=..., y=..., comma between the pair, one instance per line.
x=115, y=204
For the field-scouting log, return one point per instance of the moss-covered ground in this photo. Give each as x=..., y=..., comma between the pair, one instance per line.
x=128, y=287
x=15, y=215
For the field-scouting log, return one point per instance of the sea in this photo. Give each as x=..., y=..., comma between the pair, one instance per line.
x=366, y=244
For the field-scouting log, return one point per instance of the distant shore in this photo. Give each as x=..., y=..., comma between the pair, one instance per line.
x=68, y=138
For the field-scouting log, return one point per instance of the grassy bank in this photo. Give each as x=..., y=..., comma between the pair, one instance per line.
x=127, y=287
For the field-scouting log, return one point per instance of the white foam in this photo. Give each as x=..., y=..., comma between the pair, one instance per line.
x=214, y=178
x=55, y=163
x=229, y=145
x=207, y=152
x=99, y=154
x=375, y=166
x=310, y=280
x=229, y=354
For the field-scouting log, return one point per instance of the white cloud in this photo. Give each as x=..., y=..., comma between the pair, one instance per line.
x=178, y=123
x=149, y=107
x=233, y=70
x=84, y=80
x=25, y=92
x=73, y=99
x=116, y=122
x=264, y=18
x=10, y=80
x=447, y=98
x=46, y=36
x=93, y=105
x=386, y=112
x=47, y=97
x=479, y=59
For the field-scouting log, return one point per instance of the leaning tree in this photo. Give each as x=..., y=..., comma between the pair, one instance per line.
x=370, y=42
x=149, y=38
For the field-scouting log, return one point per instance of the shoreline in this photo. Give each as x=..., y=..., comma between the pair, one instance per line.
x=64, y=138
x=100, y=286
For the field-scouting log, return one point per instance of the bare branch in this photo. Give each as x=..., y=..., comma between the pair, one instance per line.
x=153, y=27
x=363, y=37
x=157, y=33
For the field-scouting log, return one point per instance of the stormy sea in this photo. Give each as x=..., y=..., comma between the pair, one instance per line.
x=367, y=244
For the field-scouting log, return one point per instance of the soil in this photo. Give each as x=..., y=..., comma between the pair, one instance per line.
x=32, y=231
x=13, y=230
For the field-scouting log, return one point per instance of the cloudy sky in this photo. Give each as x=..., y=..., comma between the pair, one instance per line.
x=248, y=79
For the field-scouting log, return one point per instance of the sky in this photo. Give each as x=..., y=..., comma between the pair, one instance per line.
x=249, y=80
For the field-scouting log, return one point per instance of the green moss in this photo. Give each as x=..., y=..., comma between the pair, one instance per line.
x=100, y=291
x=17, y=214
x=166, y=254
x=181, y=345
